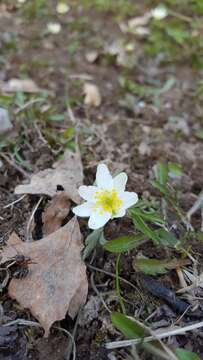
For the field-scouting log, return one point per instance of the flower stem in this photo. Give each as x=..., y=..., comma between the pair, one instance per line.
x=118, y=285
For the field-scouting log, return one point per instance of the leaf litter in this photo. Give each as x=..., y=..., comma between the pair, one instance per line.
x=92, y=95
x=24, y=85
x=57, y=281
x=55, y=213
x=66, y=173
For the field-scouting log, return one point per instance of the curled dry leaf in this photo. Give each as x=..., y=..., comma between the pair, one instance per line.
x=67, y=173
x=55, y=213
x=92, y=95
x=25, y=85
x=57, y=281
x=139, y=21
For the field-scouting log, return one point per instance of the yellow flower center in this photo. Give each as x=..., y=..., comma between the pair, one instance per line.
x=108, y=201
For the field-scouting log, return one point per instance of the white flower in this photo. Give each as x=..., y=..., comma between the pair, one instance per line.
x=106, y=200
x=62, y=8
x=53, y=28
x=160, y=12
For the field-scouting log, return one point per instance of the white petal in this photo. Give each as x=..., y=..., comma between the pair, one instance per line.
x=83, y=210
x=128, y=198
x=87, y=192
x=103, y=177
x=98, y=219
x=120, y=181
x=120, y=213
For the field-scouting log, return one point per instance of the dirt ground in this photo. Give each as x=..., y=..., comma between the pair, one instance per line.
x=151, y=110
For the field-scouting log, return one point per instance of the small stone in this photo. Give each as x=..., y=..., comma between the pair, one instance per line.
x=91, y=56
x=5, y=123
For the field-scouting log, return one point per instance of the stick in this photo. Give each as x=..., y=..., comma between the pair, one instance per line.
x=17, y=167
x=14, y=202
x=29, y=237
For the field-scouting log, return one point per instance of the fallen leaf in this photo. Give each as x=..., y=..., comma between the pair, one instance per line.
x=14, y=85
x=139, y=21
x=155, y=266
x=57, y=281
x=55, y=213
x=92, y=95
x=67, y=173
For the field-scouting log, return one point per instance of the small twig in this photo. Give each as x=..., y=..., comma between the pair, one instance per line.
x=182, y=281
x=1, y=314
x=29, y=236
x=42, y=138
x=6, y=279
x=28, y=104
x=172, y=356
x=98, y=293
x=72, y=339
x=181, y=16
x=114, y=276
x=183, y=314
x=22, y=322
x=177, y=331
x=15, y=201
x=118, y=290
x=81, y=76
x=17, y=167
x=151, y=315
x=70, y=344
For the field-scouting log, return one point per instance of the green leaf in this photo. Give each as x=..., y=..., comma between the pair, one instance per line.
x=123, y=243
x=129, y=327
x=144, y=228
x=162, y=173
x=186, y=355
x=91, y=241
x=68, y=133
x=19, y=98
x=168, y=85
x=199, y=134
x=57, y=117
x=6, y=100
x=151, y=215
x=156, y=184
x=178, y=35
x=200, y=236
x=154, y=266
x=132, y=329
x=174, y=169
x=166, y=238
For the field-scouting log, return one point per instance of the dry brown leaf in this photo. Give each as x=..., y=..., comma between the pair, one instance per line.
x=55, y=213
x=67, y=173
x=57, y=281
x=25, y=85
x=92, y=95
